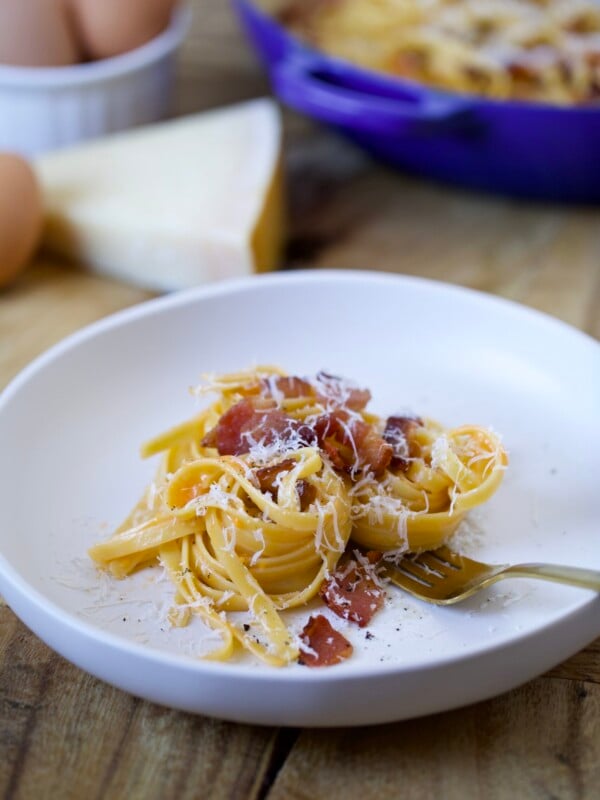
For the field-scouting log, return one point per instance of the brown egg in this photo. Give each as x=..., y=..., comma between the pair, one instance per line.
x=21, y=215
x=108, y=28
x=36, y=33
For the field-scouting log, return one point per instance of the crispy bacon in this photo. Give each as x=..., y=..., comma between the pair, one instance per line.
x=351, y=443
x=524, y=71
x=302, y=12
x=245, y=424
x=357, y=399
x=409, y=63
x=227, y=435
x=210, y=438
x=267, y=476
x=397, y=433
x=324, y=646
x=331, y=450
x=336, y=390
x=351, y=592
x=288, y=386
x=307, y=494
x=583, y=23
x=375, y=453
x=267, y=482
x=592, y=58
x=339, y=394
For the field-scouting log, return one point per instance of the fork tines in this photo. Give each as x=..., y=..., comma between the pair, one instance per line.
x=428, y=568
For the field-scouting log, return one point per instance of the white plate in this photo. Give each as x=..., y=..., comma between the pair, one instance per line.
x=72, y=422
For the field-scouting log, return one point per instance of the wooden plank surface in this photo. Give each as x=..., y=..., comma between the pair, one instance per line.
x=64, y=734
x=538, y=742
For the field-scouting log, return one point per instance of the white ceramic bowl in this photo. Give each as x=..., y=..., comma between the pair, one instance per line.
x=45, y=108
x=71, y=425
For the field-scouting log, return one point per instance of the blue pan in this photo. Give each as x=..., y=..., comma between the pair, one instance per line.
x=531, y=150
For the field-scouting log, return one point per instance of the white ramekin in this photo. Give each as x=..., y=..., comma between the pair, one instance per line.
x=47, y=108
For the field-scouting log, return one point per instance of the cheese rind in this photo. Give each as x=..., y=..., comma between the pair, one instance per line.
x=172, y=205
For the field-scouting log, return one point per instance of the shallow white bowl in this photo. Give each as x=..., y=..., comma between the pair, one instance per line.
x=45, y=108
x=72, y=422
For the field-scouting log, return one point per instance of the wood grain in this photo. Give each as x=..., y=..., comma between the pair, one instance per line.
x=64, y=734
x=55, y=719
x=67, y=735
x=585, y=666
x=545, y=257
x=539, y=742
x=50, y=301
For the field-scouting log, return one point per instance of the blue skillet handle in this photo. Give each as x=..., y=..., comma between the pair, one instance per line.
x=316, y=87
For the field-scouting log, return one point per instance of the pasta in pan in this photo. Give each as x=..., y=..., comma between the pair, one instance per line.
x=276, y=493
x=536, y=50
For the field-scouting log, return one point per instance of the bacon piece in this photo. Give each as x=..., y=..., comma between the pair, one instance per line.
x=245, y=424
x=525, y=73
x=352, y=442
x=301, y=13
x=592, y=58
x=409, y=64
x=227, y=435
x=288, y=386
x=324, y=646
x=336, y=391
x=351, y=592
x=330, y=449
x=267, y=476
x=210, y=438
x=583, y=23
x=358, y=399
x=375, y=453
x=307, y=494
x=397, y=433
x=267, y=482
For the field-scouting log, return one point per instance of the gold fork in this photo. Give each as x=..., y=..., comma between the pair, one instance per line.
x=444, y=577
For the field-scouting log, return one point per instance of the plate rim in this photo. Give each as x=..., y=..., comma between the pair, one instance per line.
x=229, y=286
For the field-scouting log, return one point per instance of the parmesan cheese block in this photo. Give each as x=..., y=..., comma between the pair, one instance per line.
x=174, y=204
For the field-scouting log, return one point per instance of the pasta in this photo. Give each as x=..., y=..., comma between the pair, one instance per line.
x=276, y=493
x=417, y=508
x=535, y=50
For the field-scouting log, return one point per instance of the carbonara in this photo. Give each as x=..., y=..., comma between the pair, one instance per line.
x=285, y=489
x=535, y=50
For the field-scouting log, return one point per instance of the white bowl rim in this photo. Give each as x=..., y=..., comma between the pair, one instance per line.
x=37, y=78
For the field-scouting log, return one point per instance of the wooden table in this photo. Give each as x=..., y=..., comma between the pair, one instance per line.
x=66, y=735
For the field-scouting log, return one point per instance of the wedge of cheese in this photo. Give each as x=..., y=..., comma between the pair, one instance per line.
x=175, y=204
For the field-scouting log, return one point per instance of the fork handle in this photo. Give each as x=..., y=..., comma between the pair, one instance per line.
x=573, y=576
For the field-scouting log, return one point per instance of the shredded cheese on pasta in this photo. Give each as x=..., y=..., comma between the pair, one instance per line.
x=534, y=50
x=259, y=528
